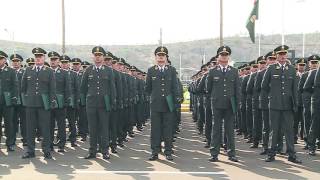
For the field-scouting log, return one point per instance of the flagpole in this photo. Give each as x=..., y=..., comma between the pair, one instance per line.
x=221, y=22
x=282, y=14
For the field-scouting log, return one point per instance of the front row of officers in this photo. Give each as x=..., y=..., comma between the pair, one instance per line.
x=266, y=98
x=104, y=100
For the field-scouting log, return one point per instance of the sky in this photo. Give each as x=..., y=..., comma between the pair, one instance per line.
x=132, y=22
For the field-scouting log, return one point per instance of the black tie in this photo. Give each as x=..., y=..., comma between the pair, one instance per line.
x=38, y=68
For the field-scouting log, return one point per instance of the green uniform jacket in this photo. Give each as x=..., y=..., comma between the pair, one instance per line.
x=96, y=85
x=281, y=87
x=34, y=84
x=8, y=84
x=160, y=85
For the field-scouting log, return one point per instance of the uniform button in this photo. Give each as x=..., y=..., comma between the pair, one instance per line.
x=36, y=92
x=224, y=80
x=162, y=79
x=224, y=85
x=225, y=95
x=283, y=93
x=162, y=84
x=162, y=89
x=98, y=76
x=162, y=94
x=282, y=87
x=224, y=90
x=37, y=79
x=98, y=87
x=98, y=82
x=282, y=82
x=98, y=93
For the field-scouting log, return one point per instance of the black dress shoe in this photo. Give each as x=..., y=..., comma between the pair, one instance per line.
x=47, y=155
x=114, y=150
x=28, y=155
x=153, y=157
x=10, y=148
x=249, y=141
x=131, y=135
x=24, y=144
x=264, y=152
x=312, y=152
x=169, y=157
x=125, y=140
x=270, y=159
x=83, y=139
x=207, y=146
x=306, y=147
x=90, y=156
x=214, y=159
x=294, y=160
x=120, y=144
x=106, y=156
x=73, y=144
x=233, y=159
x=254, y=146
x=61, y=150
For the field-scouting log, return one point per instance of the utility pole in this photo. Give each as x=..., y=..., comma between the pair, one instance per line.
x=221, y=22
x=160, y=40
x=63, y=29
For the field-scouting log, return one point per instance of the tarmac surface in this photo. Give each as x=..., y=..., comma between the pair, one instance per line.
x=131, y=162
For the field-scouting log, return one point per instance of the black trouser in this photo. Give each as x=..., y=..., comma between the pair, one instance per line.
x=161, y=127
x=98, y=120
x=82, y=121
x=249, y=119
x=220, y=115
x=314, y=127
x=71, y=116
x=208, y=122
x=266, y=129
x=298, y=118
x=58, y=116
x=202, y=117
x=38, y=116
x=114, y=120
x=7, y=113
x=257, y=125
x=307, y=121
x=243, y=119
x=121, y=125
x=19, y=121
x=282, y=119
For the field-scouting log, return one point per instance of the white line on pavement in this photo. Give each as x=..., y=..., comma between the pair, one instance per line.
x=148, y=172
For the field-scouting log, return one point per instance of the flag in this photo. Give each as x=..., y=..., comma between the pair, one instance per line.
x=252, y=19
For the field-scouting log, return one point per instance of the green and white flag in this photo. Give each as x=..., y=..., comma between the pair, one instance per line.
x=252, y=19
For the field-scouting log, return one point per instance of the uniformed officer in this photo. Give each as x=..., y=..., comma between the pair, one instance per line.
x=19, y=113
x=58, y=115
x=224, y=87
x=298, y=116
x=81, y=116
x=38, y=85
x=264, y=101
x=310, y=91
x=257, y=113
x=98, y=86
x=70, y=105
x=162, y=87
x=243, y=107
x=30, y=61
x=8, y=99
x=280, y=82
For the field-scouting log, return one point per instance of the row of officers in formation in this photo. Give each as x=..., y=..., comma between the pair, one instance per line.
x=263, y=100
x=69, y=97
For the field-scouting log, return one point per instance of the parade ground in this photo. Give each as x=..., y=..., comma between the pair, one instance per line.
x=131, y=162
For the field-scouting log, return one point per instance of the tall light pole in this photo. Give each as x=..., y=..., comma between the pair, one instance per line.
x=63, y=29
x=221, y=22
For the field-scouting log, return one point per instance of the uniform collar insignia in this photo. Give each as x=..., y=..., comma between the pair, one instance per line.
x=277, y=67
x=166, y=67
x=156, y=67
